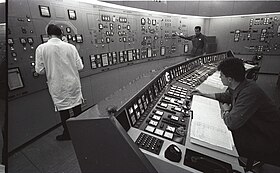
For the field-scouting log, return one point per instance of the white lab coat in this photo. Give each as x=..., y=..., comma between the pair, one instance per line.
x=61, y=62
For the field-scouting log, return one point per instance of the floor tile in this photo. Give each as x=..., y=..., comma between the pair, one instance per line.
x=18, y=163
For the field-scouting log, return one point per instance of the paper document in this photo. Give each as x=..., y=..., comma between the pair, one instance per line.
x=213, y=84
x=207, y=124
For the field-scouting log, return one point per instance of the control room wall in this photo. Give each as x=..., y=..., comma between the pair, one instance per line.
x=250, y=36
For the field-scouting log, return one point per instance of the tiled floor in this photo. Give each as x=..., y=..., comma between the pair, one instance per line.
x=46, y=155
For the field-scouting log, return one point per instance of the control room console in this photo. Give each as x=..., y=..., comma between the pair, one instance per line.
x=157, y=119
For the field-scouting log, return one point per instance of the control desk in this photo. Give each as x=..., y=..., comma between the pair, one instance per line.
x=155, y=112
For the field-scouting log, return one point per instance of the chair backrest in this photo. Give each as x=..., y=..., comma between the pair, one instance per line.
x=252, y=74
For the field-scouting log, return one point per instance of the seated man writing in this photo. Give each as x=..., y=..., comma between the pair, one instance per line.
x=249, y=113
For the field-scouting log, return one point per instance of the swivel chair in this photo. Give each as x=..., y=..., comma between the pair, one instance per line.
x=252, y=74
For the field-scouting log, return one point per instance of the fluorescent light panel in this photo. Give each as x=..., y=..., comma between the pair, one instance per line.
x=96, y=2
x=246, y=15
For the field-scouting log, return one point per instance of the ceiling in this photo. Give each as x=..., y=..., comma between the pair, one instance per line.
x=204, y=8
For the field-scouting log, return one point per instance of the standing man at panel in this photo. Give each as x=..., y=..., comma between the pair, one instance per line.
x=249, y=113
x=198, y=41
x=60, y=61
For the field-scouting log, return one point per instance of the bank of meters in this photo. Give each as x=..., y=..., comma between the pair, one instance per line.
x=263, y=34
x=112, y=58
x=110, y=26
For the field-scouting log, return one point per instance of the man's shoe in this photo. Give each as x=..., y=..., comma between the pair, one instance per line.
x=63, y=138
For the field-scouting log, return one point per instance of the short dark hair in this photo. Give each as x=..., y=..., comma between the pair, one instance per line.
x=54, y=30
x=198, y=27
x=234, y=68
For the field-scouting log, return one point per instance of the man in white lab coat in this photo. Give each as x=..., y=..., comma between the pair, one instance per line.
x=60, y=61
